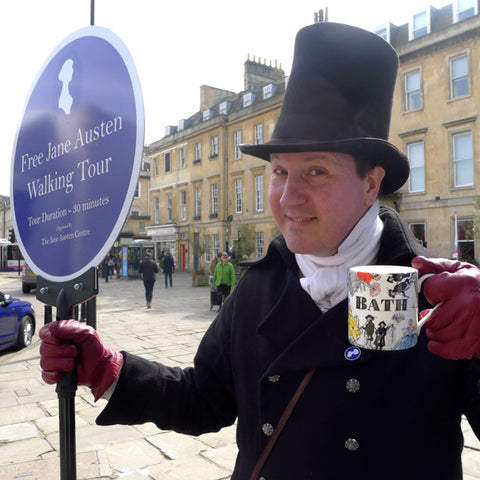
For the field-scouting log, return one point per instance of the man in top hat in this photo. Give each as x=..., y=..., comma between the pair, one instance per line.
x=281, y=337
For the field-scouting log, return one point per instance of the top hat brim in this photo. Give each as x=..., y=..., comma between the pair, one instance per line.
x=378, y=151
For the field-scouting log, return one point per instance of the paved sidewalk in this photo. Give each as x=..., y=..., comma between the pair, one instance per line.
x=169, y=332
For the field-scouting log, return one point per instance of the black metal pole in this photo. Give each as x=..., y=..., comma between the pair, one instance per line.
x=92, y=12
x=66, y=407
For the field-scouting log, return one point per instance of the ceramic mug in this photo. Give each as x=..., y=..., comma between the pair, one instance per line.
x=383, y=307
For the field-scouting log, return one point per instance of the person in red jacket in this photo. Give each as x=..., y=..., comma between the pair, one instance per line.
x=284, y=327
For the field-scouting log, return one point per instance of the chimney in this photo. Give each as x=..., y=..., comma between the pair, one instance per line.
x=258, y=73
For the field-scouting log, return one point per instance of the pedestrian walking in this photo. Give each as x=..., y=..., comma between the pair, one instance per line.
x=277, y=359
x=168, y=268
x=147, y=269
x=224, y=276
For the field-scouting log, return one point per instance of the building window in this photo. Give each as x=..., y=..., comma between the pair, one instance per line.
x=198, y=203
x=238, y=196
x=214, y=194
x=258, y=133
x=215, y=244
x=182, y=158
x=413, y=99
x=169, y=207
x=141, y=227
x=197, y=152
x=463, y=9
x=181, y=125
x=259, y=193
x=156, y=207
x=167, y=162
x=208, y=248
x=222, y=108
x=463, y=160
x=267, y=91
x=237, y=140
x=207, y=114
x=183, y=204
x=134, y=212
x=384, y=32
x=459, y=76
x=138, y=190
x=419, y=25
x=247, y=99
x=416, y=157
x=214, y=147
x=259, y=244
x=466, y=240
x=418, y=230
x=155, y=167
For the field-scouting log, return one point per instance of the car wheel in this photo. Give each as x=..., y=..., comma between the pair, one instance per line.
x=25, y=288
x=25, y=332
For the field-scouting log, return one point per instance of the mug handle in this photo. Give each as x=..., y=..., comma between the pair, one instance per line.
x=424, y=320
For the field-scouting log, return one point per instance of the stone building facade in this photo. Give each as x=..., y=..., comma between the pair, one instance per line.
x=205, y=196
x=434, y=121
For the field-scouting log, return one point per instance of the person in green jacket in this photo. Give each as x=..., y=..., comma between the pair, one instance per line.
x=224, y=276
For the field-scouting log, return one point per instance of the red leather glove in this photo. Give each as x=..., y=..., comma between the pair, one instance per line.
x=453, y=329
x=97, y=364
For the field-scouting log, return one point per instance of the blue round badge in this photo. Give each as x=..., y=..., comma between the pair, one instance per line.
x=352, y=353
x=77, y=154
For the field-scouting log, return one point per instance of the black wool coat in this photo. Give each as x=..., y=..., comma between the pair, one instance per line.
x=392, y=415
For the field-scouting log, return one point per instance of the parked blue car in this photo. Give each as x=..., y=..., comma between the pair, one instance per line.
x=17, y=322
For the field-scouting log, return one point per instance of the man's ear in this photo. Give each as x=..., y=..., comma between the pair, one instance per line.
x=374, y=182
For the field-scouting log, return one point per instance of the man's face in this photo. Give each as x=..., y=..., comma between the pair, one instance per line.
x=318, y=197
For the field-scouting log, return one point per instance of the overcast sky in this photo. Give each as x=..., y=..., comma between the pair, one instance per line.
x=177, y=46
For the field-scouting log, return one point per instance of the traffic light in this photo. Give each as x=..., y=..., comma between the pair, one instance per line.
x=11, y=235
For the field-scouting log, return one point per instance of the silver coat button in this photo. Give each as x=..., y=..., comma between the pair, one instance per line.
x=353, y=385
x=352, y=444
x=274, y=378
x=268, y=429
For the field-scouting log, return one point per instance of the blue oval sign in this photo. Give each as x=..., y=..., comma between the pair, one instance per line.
x=77, y=154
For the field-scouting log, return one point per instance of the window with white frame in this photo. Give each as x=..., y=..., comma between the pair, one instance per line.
x=181, y=125
x=141, y=227
x=462, y=159
x=459, y=76
x=237, y=140
x=383, y=32
x=259, y=244
x=197, y=148
x=413, y=97
x=222, y=108
x=183, y=204
x=258, y=133
x=169, y=207
x=247, y=99
x=238, y=196
x=214, y=146
x=198, y=203
x=463, y=9
x=466, y=240
x=214, y=195
x=259, y=193
x=207, y=114
x=267, y=91
x=182, y=158
x=416, y=157
x=418, y=230
x=419, y=25
x=208, y=248
x=156, y=209
x=215, y=244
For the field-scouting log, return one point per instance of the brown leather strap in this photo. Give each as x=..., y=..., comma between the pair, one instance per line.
x=282, y=422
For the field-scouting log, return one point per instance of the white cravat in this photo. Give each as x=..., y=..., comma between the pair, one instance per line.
x=325, y=278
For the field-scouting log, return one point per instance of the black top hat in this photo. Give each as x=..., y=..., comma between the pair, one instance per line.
x=339, y=99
